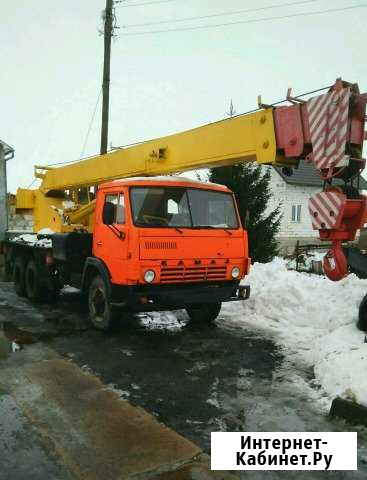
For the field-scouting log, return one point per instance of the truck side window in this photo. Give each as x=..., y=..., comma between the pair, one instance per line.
x=112, y=198
x=118, y=200
x=120, y=211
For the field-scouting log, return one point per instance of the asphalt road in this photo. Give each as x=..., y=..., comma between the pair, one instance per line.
x=22, y=453
x=194, y=379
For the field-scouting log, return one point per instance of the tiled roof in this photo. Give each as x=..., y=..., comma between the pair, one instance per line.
x=306, y=174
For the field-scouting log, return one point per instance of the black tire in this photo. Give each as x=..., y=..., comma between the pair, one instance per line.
x=19, y=277
x=362, y=315
x=33, y=285
x=101, y=313
x=204, y=313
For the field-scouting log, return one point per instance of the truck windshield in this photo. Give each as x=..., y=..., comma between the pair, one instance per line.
x=182, y=207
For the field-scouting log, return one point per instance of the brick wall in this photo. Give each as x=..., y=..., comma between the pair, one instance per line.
x=19, y=221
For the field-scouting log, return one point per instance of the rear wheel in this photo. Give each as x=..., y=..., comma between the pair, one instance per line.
x=19, y=276
x=101, y=312
x=362, y=316
x=204, y=313
x=33, y=282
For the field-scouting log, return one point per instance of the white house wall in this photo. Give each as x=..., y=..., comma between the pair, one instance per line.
x=289, y=195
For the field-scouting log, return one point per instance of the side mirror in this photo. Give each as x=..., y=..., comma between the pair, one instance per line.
x=108, y=214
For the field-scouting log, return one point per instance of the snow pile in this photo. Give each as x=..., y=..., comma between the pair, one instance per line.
x=44, y=242
x=30, y=238
x=313, y=320
x=46, y=231
x=33, y=240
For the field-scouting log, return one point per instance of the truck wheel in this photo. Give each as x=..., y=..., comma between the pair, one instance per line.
x=19, y=277
x=362, y=316
x=204, y=313
x=32, y=282
x=101, y=313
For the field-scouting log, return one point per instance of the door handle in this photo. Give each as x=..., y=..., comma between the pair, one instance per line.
x=99, y=243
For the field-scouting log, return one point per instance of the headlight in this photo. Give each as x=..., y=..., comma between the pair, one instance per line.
x=235, y=272
x=149, y=276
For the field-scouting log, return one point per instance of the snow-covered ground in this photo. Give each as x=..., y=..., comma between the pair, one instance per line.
x=314, y=321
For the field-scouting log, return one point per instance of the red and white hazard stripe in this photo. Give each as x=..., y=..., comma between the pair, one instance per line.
x=325, y=209
x=328, y=122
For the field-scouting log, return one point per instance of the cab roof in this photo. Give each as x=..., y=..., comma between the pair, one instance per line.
x=164, y=181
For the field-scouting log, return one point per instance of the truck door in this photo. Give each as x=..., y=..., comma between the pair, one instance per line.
x=110, y=241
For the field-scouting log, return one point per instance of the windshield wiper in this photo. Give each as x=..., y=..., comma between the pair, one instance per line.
x=226, y=229
x=197, y=227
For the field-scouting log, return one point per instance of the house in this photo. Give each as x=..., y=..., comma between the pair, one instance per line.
x=293, y=194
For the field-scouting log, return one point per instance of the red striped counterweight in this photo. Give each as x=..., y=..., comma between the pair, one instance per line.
x=328, y=123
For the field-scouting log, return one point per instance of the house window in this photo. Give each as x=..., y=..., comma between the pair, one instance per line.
x=296, y=213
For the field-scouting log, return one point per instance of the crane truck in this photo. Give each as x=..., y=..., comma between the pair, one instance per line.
x=130, y=235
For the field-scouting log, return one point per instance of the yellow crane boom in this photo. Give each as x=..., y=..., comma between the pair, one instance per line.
x=327, y=129
x=247, y=138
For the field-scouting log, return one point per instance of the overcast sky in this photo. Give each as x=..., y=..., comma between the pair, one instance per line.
x=52, y=57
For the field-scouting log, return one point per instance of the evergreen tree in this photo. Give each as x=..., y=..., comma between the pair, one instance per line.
x=250, y=185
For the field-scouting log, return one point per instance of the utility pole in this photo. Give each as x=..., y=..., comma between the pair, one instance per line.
x=108, y=33
x=3, y=195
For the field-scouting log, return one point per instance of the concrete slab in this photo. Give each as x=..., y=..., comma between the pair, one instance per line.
x=95, y=433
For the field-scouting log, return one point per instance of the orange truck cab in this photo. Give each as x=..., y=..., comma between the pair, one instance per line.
x=160, y=243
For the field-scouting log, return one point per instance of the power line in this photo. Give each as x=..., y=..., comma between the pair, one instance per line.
x=238, y=12
x=257, y=20
x=90, y=125
x=32, y=183
x=145, y=3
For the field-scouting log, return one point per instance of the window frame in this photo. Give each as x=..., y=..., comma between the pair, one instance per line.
x=296, y=213
x=118, y=195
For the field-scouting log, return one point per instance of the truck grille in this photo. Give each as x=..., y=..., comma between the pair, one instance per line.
x=198, y=273
x=160, y=245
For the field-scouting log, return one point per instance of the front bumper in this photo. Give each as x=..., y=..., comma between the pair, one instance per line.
x=171, y=297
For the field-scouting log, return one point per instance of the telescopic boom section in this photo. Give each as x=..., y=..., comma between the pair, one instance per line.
x=247, y=138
